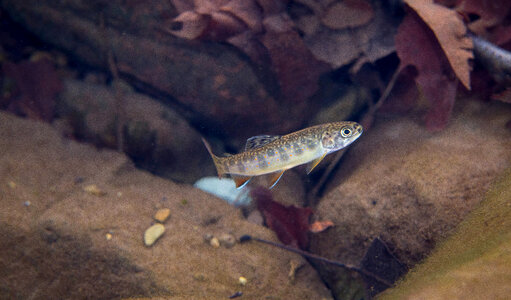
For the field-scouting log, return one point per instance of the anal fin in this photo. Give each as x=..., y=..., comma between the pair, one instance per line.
x=314, y=163
x=275, y=177
x=240, y=180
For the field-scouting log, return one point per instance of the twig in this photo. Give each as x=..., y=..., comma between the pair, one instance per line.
x=319, y=186
x=247, y=238
x=387, y=91
x=119, y=109
x=370, y=113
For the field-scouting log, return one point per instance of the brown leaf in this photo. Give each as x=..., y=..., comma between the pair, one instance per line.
x=295, y=66
x=189, y=25
x=416, y=45
x=490, y=13
x=368, y=42
x=182, y=5
x=348, y=14
x=451, y=34
x=247, y=11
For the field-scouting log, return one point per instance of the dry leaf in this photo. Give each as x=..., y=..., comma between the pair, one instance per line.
x=451, y=34
x=320, y=226
x=247, y=11
x=368, y=42
x=189, y=25
x=490, y=13
x=348, y=14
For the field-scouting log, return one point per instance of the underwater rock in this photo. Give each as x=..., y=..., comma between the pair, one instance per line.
x=56, y=248
x=224, y=188
x=210, y=84
x=153, y=233
x=227, y=240
x=474, y=262
x=214, y=242
x=162, y=215
x=411, y=187
x=154, y=136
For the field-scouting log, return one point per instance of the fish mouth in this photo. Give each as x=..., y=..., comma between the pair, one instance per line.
x=359, y=129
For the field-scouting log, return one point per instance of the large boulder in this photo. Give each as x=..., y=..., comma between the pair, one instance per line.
x=73, y=222
x=213, y=85
x=154, y=136
x=410, y=187
x=473, y=263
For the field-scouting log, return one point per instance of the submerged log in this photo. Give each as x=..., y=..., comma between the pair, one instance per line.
x=213, y=85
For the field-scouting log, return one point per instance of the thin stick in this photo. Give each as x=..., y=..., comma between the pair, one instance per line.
x=320, y=258
x=372, y=110
x=331, y=166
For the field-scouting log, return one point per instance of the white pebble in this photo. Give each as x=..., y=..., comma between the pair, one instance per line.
x=153, y=233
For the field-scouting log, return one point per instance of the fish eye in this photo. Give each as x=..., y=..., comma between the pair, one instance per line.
x=345, y=132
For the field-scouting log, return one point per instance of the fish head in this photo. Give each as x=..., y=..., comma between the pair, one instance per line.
x=338, y=135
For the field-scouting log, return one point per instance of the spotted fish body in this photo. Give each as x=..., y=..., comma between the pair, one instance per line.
x=276, y=154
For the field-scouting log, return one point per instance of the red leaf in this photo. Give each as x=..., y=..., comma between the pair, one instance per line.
x=293, y=63
x=290, y=223
x=36, y=85
x=416, y=45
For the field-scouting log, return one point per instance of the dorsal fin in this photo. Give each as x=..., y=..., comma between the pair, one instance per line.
x=259, y=141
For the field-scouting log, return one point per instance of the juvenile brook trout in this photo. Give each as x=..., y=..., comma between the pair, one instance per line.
x=273, y=154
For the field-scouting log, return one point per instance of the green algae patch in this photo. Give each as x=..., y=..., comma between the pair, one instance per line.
x=474, y=262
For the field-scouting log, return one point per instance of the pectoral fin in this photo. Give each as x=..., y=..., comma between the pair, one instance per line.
x=275, y=177
x=314, y=163
x=240, y=181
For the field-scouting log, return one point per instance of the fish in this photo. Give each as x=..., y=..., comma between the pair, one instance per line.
x=274, y=154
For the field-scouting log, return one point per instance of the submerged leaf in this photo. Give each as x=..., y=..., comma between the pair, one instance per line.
x=290, y=223
x=320, y=226
x=348, y=14
x=417, y=46
x=489, y=13
x=450, y=33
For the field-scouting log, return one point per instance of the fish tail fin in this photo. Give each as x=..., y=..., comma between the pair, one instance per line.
x=215, y=158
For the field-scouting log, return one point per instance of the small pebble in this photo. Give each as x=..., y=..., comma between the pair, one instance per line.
x=207, y=237
x=119, y=194
x=199, y=277
x=162, y=215
x=294, y=265
x=94, y=190
x=227, y=240
x=11, y=184
x=242, y=280
x=153, y=233
x=214, y=242
x=236, y=295
x=108, y=236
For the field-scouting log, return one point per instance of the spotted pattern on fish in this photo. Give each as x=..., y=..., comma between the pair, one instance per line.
x=285, y=152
